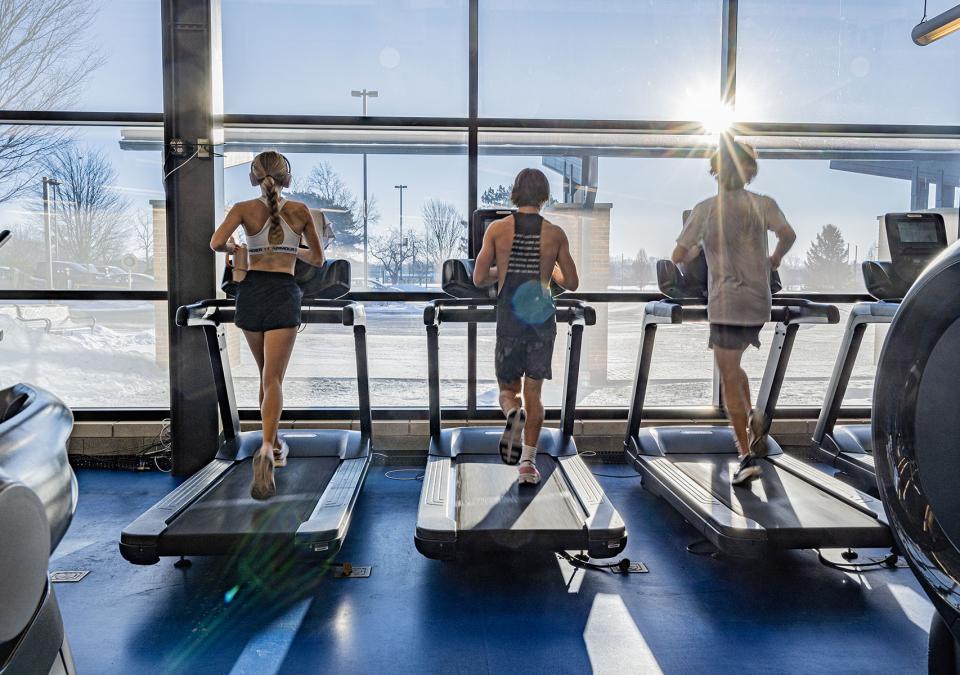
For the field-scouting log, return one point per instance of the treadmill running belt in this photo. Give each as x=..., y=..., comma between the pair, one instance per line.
x=490, y=498
x=778, y=500
x=227, y=514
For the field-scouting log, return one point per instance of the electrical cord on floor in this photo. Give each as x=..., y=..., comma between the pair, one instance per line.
x=888, y=562
x=583, y=562
x=418, y=474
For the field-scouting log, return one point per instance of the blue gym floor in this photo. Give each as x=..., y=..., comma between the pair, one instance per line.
x=257, y=614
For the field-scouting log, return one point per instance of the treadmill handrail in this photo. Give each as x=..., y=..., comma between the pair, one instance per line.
x=784, y=310
x=212, y=314
x=576, y=313
x=786, y=313
x=222, y=310
x=861, y=314
x=482, y=310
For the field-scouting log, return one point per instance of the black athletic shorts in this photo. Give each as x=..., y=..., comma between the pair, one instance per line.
x=268, y=301
x=726, y=336
x=528, y=355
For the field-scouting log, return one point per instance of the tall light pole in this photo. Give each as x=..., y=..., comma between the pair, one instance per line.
x=47, y=183
x=364, y=94
x=401, y=188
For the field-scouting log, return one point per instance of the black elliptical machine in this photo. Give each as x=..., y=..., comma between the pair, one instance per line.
x=38, y=496
x=915, y=444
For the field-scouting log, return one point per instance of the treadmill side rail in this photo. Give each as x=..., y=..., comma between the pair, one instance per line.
x=606, y=530
x=138, y=541
x=322, y=534
x=436, y=533
x=836, y=488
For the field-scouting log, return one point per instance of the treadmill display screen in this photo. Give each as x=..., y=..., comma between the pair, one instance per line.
x=917, y=232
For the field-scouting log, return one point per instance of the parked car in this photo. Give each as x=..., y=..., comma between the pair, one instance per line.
x=110, y=270
x=68, y=274
x=372, y=285
x=132, y=281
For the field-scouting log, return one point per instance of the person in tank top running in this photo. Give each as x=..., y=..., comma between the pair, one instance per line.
x=268, y=298
x=521, y=254
x=732, y=228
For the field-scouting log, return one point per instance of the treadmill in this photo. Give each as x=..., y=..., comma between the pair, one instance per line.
x=914, y=240
x=212, y=513
x=792, y=505
x=470, y=500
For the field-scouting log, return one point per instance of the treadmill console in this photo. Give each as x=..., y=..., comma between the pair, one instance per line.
x=914, y=239
x=457, y=279
x=328, y=282
x=478, y=226
x=690, y=281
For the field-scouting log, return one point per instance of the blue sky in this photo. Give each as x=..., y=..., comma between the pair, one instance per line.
x=816, y=61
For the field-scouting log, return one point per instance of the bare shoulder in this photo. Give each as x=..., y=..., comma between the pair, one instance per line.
x=296, y=207
x=245, y=205
x=551, y=231
x=497, y=227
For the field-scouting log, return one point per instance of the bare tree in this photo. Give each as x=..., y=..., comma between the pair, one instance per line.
x=24, y=251
x=143, y=236
x=391, y=253
x=325, y=189
x=91, y=216
x=45, y=60
x=444, y=231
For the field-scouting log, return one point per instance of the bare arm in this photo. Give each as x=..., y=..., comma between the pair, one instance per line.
x=785, y=238
x=222, y=239
x=682, y=255
x=484, y=270
x=565, y=271
x=313, y=254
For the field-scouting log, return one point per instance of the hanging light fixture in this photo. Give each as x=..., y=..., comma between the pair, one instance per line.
x=931, y=30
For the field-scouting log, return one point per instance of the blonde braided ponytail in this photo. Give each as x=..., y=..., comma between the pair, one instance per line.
x=272, y=192
x=270, y=169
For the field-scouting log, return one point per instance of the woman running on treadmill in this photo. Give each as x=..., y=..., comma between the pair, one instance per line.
x=522, y=253
x=268, y=298
x=731, y=228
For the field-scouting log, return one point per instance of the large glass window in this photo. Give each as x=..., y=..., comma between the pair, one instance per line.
x=63, y=55
x=658, y=59
x=305, y=57
x=404, y=252
x=409, y=231
x=93, y=354
x=621, y=209
x=835, y=192
x=846, y=61
x=84, y=213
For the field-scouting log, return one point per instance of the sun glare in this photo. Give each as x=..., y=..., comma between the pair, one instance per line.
x=717, y=118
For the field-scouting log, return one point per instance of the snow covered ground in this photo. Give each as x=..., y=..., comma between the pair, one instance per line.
x=116, y=364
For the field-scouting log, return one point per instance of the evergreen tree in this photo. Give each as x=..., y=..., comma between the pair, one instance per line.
x=828, y=266
x=494, y=197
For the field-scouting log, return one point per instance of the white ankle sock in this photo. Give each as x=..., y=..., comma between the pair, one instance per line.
x=529, y=454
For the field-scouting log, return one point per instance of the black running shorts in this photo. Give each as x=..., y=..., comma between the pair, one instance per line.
x=268, y=301
x=528, y=355
x=726, y=336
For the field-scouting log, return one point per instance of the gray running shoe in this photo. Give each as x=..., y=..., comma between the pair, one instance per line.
x=749, y=468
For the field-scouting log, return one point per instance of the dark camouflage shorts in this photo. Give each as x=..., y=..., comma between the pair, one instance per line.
x=529, y=356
